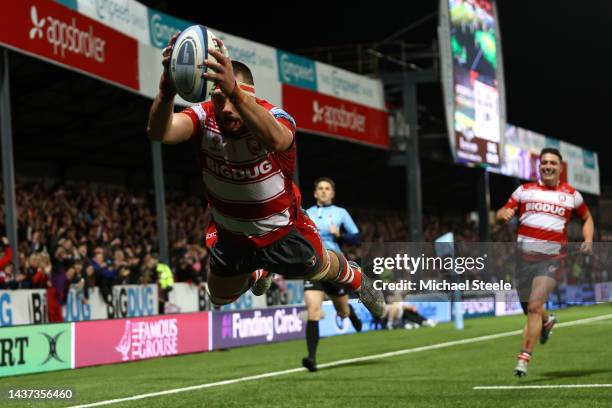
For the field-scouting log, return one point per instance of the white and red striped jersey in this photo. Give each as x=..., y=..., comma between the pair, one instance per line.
x=249, y=188
x=544, y=215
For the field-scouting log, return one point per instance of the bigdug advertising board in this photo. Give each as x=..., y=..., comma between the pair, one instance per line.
x=123, y=301
x=19, y=307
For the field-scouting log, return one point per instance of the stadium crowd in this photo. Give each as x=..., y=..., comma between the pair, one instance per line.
x=94, y=236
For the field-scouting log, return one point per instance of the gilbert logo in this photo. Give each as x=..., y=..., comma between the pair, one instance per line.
x=338, y=118
x=52, y=348
x=67, y=37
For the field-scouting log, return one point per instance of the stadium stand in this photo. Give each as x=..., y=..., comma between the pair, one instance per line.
x=103, y=234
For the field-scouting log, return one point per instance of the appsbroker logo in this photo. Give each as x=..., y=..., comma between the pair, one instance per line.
x=67, y=37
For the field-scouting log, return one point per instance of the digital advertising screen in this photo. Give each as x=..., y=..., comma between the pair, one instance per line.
x=474, y=79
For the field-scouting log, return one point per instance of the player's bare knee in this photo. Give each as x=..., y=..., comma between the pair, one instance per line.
x=314, y=312
x=343, y=312
x=535, y=308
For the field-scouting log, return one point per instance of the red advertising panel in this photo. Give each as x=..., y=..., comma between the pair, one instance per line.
x=49, y=30
x=120, y=340
x=336, y=117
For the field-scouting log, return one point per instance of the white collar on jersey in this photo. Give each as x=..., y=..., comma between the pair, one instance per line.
x=544, y=185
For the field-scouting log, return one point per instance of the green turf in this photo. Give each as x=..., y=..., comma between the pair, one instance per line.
x=444, y=377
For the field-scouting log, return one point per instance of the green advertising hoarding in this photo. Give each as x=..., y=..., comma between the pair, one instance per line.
x=36, y=348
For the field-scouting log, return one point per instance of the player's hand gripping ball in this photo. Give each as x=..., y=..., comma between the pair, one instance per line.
x=186, y=69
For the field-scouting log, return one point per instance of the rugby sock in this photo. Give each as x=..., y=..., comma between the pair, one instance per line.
x=257, y=275
x=524, y=355
x=312, y=338
x=355, y=320
x=414, y=317
x=347, y=275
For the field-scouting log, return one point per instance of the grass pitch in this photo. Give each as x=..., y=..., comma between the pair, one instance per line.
x=430, y=377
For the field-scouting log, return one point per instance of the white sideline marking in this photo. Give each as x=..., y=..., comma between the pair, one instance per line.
x=334, y=363
x=538, y=387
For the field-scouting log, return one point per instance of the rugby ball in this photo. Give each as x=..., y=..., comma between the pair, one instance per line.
x=190, y=50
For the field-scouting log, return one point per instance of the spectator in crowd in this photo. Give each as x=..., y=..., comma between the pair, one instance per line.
x=163, y=276
x=39, y=270
x=7, y=278
x=105, y=275
x=90, y=281
x=73, y=278
x=36, y=244
x=189, y=261
x=6, y=252
x=185, y=271
x=6, y=268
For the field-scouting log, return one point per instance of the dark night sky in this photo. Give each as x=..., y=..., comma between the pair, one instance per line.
x=555, y=52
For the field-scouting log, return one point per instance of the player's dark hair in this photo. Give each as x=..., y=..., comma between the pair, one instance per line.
x=327, y=179
x=551, y=150
x=242, y=69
